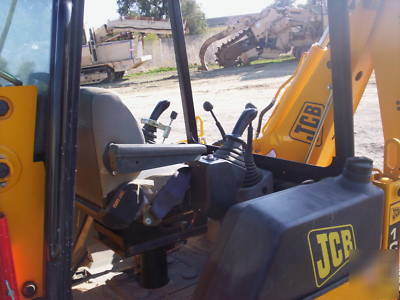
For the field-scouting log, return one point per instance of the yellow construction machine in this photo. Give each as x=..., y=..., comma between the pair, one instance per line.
x=290, y=214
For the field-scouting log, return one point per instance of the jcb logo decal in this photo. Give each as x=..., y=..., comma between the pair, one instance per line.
x=394, y=213
x=307, y=123
x=330, y=250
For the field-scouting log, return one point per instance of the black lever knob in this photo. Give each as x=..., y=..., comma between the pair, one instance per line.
x=245, y=119
x=159, y=109
x=173, y=115
x=208, y=106
x=250, y=105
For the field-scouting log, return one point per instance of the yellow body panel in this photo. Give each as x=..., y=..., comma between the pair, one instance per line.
x=346, y=291
x=386, y=60
x=360, y=289
x=22, y=198
x=385, y=49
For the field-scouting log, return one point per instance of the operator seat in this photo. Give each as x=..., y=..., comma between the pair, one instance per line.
x=130, y=213
x=103, y=119
x=111, y=153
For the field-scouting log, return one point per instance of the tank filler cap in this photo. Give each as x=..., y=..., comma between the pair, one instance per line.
x=358, y=169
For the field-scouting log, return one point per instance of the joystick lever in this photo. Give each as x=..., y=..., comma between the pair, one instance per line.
x=209, y=107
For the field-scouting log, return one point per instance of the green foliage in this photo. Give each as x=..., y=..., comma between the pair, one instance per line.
x=194, y=17
x=147, y=8
x=151, y=37
x=158, y=71
x=283, y=3
x=150, y=72
x=273, y=60
x=191, y=12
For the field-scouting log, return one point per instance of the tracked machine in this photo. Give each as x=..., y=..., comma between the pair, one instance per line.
x=276, y=30
x=117, y=47
x=199, y=221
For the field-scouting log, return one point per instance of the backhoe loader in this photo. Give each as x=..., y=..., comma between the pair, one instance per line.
x=311, y=221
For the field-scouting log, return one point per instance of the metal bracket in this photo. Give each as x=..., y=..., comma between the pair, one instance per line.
x=165, y=128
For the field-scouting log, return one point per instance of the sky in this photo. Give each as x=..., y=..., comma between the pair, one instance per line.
x=97, y=12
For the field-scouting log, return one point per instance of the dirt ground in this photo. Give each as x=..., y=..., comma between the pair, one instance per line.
x=229, y=90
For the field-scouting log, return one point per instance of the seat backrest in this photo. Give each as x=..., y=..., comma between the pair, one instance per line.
x=103, y=118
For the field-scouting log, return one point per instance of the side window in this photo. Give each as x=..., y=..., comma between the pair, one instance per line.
x=25, y=46
x=25, y=52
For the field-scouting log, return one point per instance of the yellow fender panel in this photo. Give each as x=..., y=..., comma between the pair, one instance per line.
x=22, y=193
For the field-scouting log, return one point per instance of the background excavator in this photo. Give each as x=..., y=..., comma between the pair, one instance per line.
x=276, y=30
x=310, y=221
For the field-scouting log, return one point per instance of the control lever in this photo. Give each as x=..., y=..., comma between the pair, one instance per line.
x=151, y=124
x=245, y=119
x=250, y=129
x=229, y=175
x=172, y=117
x=159, y=109
x=233, y=146
x=250, y=105
x=253, y=174
x=209, y=108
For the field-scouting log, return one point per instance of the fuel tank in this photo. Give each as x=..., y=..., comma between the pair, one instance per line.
x=294, y=243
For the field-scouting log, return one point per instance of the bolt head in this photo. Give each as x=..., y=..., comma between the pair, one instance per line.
x=29, y=289
x=210, y=157
x=4, y=108
x=4, y=170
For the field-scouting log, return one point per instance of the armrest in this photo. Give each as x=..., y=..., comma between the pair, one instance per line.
x=130, y=158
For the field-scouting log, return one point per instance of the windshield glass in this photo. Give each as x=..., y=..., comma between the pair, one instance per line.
x=25, y=34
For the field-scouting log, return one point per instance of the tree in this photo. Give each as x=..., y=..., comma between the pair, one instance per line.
x=147, y=8
x=283, y=3
x=194, y=17
x=191, y=12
